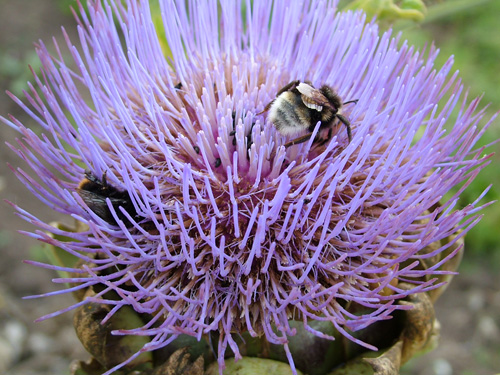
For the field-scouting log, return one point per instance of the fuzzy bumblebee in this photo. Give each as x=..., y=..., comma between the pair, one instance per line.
x=299, y=106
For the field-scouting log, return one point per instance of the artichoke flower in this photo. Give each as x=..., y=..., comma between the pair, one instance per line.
x=197, y=225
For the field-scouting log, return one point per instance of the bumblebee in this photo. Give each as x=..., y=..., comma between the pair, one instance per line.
x=299, y=106
x=94, y=192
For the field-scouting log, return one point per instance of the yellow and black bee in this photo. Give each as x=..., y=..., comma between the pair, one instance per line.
x=299, y=106
x=94, y=192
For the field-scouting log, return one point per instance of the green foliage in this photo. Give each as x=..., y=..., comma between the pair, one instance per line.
x=66, y=5
x=5, y=239
x=389, y=10
x=13, y=70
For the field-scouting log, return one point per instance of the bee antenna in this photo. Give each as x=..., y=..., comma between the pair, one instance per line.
x=355, y=101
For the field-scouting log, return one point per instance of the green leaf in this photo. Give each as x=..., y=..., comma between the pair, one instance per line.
x=108, y=349
x=386, y=10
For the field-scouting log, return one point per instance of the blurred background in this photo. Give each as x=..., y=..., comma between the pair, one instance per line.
x=469, y=311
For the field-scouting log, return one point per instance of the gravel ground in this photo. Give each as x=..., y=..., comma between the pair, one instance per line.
x=469, y=311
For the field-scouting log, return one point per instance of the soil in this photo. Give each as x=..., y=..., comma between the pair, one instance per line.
x=469, y=311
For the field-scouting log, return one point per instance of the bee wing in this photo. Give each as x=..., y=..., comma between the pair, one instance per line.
x=96, y=203
x=313, y=98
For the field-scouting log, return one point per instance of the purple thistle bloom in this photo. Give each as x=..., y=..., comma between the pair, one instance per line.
x=227, y=230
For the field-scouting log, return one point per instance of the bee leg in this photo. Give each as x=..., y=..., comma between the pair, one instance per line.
x=249, y=140
x=104, y=181
x=321, y=142
x=292, y=85
x=288, y=87
x=266, y=108
x=233, y=132
x=299, y=140
x=347, y=124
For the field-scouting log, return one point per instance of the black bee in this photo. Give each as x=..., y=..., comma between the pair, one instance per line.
x=94, y=193
x=233, y=132
x=248, y=137
x=299, y=106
